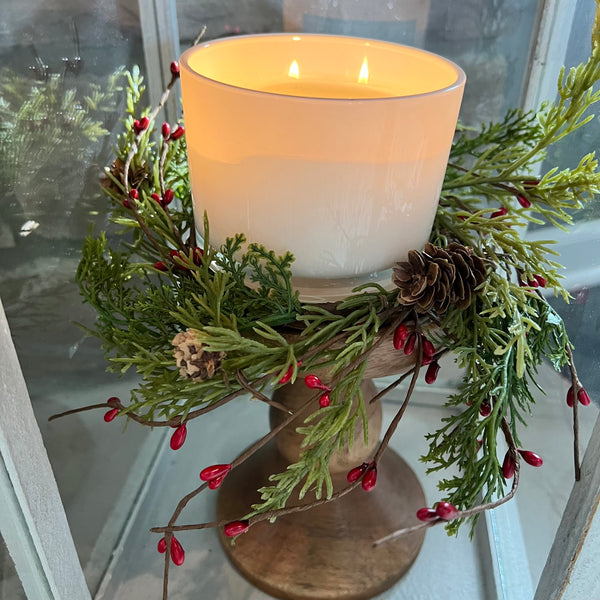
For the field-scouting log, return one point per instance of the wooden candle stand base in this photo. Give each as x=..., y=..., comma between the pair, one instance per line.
x=327, y=552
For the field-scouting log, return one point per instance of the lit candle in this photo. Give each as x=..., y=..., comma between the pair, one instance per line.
x=330, y=147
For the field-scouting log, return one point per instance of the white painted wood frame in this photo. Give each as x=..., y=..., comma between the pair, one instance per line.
x=32, y=519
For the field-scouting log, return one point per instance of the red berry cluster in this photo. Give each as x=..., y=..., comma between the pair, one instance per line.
x=165, y=199
x=177, y=257
x=406, y=341
x=508, y=464
x=215, y=475
x=314, y=383
x=582, y=397
x=140, y=125
x=366, y=471
x=442, y=510
x=537, y=281
x=177, y=551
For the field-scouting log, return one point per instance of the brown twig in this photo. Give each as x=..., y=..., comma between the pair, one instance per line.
x=402, y=377
x=512, y=448
x=396, y=420
x=81, y=409
x=243, y=381
x=576, y=387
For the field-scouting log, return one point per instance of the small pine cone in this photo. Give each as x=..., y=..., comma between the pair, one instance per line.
x=191, y=358
x=117, y=171
x=438, y=278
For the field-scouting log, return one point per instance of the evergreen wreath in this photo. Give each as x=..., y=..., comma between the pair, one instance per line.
x=181, y=312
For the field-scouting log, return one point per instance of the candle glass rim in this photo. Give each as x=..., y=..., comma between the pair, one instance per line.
x=185, y=56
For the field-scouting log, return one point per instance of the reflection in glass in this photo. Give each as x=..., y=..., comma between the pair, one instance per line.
x=60, y=99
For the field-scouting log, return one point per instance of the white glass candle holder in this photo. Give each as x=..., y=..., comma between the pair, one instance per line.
x=331, y=147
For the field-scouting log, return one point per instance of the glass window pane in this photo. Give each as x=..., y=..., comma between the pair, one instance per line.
x=61, y=99
x=490, y=40
x=544, y=496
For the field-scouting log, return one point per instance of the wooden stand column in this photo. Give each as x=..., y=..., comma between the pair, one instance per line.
x=327, y=552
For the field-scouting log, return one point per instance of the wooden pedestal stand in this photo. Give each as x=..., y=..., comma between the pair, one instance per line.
x=327, y=552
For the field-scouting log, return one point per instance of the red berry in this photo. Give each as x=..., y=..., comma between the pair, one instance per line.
x=531, y=458
x=162, y=545
x=428, y=347
x=432, y=372
x=485, y=409
x=541, y=281
x=426, y=514
x=236, y=528
x=508, y=466
x=583, y=397
x=134, y=194
x=155, y=197
x=446, y=511
x=126, y=203
x=177, y=552
x=411, y=341
x=214, y=471
x=141, y=125
x=113, y=400
x=369, y=478
x=524, y=202
x=570, y=397
x=324, y=400
x=178, y=437
x=400, y=336
x=531, y=183
x=160, y=266
x=168, y=197
x=213, y=484
x=174, y=68
x=356, y=473
x=179, y=131
x=533, y=283
x=288, y=375
x=197, y=255
x=165, y=130
x=314, y=383
x=500, y=212
x=111, y=414
x=427, y=360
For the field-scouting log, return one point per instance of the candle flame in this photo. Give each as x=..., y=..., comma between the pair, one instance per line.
x=294, y=70
x=363, y=76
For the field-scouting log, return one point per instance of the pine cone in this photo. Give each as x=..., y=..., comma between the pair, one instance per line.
x=117, y=171
x=191, y=358
x=439, y=277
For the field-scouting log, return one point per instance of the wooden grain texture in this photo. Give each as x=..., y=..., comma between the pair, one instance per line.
x=325, y=553
x=571, y=571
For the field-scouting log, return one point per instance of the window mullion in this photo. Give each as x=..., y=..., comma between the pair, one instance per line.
x=555, y=21
x=160, y=35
